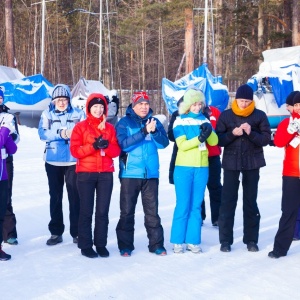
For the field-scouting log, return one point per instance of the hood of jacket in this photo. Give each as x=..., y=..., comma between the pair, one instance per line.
x=90, y=98
x=52, y=104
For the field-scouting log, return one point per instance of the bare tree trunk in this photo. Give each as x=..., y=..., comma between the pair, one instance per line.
x=143, y=60
x=295, y=22
x=9, y=25
x=189, y=40
x=260, y=29
x=218, y=47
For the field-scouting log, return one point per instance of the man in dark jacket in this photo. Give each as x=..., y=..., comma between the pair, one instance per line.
x=139, y=136
x=243, y=130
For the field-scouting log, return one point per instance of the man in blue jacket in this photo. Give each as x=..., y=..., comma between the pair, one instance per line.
x=140, y=135
x=55, y=129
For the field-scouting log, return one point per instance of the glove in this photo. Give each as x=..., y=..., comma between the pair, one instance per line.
x=100, y=143
x=206, y=130
x=6, y=120
x=294, y=126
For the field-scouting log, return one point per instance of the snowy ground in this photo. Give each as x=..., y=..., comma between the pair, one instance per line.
x=37, y=271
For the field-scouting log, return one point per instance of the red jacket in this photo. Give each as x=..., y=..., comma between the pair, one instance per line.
x=82, y=139
x=291, y=162
x=214, y=116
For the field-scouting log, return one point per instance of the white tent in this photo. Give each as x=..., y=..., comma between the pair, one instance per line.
x=8, y=74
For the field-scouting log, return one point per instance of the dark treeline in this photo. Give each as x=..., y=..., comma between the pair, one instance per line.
x=143, y=40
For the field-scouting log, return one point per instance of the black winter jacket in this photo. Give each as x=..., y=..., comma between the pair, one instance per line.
x=243, y=152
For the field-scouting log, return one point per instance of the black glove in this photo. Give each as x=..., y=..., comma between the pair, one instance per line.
x=206, y=130
x=100, y=143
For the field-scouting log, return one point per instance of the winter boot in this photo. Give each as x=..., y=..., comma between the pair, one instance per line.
x=225, y=247
x=102, y=251
x=89, y=252
x=54, y=239
x=12, y=241
x=125, y=252
x=161, y=251
x=193, y=248
x=178, y=248
x=252, y=247
x=3, y=255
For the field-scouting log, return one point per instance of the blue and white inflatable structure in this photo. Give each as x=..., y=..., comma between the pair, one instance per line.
x=27, y=97
x=216, y=93
x=278, y=76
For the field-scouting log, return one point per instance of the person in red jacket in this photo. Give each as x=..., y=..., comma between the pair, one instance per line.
x=94, y=144
x=288, y=136
x=214, y=185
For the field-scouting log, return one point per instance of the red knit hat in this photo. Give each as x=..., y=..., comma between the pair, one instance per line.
x=139, y=97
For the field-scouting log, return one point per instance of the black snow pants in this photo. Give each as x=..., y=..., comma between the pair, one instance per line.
x=9, y=222
x=130, y=190
x=290, y=204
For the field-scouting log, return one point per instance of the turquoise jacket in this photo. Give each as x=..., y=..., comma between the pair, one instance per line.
x=191, y=153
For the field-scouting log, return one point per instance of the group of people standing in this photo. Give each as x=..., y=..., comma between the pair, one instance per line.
x=81, y=146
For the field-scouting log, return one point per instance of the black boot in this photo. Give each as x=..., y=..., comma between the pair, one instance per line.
x=3, y=255
x=225, y=247
x=54, y=239
x=102, y=251
x=89, y=252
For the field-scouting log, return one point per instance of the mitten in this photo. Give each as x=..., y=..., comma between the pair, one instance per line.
x=100, y=143
x=206, y=130
x=6, y=120
x=103, y=144
x=294, y=126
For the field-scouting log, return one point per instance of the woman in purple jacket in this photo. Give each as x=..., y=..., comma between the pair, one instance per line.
x=7, y=146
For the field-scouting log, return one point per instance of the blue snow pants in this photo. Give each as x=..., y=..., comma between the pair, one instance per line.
x=190, y=184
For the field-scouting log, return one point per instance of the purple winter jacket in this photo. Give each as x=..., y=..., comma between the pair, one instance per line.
x=7, y=146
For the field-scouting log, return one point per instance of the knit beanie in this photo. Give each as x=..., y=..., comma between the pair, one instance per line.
x=296, y=98
x=139, y=97
x=190, y=97
x=290, y=97
x=97, y=101
x=244, y=92
x=60, y=91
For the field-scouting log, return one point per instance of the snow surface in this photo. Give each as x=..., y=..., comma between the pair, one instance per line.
x=38, y=271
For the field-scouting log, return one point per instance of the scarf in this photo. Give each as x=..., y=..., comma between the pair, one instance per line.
x=242, y=112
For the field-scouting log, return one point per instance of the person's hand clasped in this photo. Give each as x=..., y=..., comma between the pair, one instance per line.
x=237, y=131
x=246, y=127
x=150, y=125
x=206, y=130
x=100, y=143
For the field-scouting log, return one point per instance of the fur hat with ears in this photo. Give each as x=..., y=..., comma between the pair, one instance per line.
x=190, y=97
x=244, y=92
